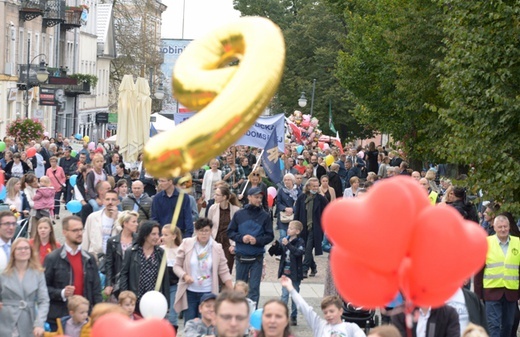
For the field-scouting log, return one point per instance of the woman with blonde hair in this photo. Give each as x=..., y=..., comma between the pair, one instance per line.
x=430, y=176
x=254, y=180
x=16, y=198
x=211, y=176
x=171, y=240
x=23, y=281
x=116, y=248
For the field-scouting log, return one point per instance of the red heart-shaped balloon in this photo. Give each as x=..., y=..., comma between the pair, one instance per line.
x=360, y=284
x=111, y=324
x=377, y=228
x=446, y=250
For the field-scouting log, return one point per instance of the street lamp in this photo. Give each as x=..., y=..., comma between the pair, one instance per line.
x=302, y=101
x=159, y=93
x=41, y=75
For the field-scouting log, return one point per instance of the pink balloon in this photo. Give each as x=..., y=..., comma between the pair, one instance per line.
x=306, y=123
x=271, y=191
x=91, y=146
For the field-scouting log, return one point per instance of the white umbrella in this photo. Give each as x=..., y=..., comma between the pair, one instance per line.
x=126, y=119
x=143, y=111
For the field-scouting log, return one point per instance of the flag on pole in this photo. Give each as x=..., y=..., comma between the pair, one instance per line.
x=331, y=125
x=270, y=159
x=337, y=142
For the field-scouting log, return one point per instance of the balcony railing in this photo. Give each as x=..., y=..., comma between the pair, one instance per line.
x=72, y=18
x=54, y=13
x=30, y=9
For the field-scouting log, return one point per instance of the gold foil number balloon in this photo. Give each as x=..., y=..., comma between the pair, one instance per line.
x=230, y=76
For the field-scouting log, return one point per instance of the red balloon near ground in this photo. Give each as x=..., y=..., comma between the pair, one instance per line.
x=117, y=324
x=31, y=152
x=360, y=284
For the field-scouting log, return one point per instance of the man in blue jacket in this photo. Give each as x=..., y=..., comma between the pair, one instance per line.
x=251, y=228
x=163, y=207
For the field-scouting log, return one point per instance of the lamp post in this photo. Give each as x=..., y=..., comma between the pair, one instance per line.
x=302, y=101
x=41, y=75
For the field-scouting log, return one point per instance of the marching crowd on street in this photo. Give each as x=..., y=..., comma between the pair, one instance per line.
x=229, y=216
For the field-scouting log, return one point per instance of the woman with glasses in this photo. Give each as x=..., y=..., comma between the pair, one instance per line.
x=199, y=265
x=221, y=213
x=23, y=288
x=254, y=180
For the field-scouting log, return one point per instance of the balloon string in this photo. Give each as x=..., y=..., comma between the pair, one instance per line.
x=175, y=218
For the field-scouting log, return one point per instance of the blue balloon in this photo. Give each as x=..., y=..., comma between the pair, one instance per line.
x=3, y=192
x=282, y=165
x=74, y=206
x=256, y=319
x=72, y=180
x=78, y=136
x=300, y=149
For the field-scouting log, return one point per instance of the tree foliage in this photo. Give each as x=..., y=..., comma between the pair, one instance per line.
x=137, y=38
x=388, y=72
x=481, y=83
x=313, y=36
x=442, y=76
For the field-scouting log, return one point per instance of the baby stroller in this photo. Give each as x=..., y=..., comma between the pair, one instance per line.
x=365, y=319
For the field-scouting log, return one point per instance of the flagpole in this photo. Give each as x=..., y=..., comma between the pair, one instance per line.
x=253, y=170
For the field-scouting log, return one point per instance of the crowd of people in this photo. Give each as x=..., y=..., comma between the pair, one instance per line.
x=112, y=249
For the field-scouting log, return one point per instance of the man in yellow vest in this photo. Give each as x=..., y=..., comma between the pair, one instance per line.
x=498, y=282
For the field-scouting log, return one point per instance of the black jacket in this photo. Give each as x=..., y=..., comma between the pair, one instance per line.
x=297, y=249
x=336, y=184
x=114, y=260
x=58, y=275
x=443, y=322
x=131, y=270
x=476, y=309
x=300, y=214
x=9, y=167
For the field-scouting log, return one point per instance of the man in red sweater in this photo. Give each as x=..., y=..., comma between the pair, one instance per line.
x=70, y=271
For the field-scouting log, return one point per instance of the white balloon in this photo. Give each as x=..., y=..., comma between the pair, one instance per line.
x=153, y=304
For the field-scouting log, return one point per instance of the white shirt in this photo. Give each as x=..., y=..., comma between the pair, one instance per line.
x=3, y=257
x=458, y=303
x=422, y=322
x=201, y=269
x=107, y=224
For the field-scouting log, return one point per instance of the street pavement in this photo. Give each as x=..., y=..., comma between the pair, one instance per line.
x=311, y=288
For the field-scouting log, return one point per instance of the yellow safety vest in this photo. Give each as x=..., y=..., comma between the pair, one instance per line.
x=502, y=271
x=433, y=197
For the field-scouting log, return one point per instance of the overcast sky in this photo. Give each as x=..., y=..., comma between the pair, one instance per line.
x=200, y=16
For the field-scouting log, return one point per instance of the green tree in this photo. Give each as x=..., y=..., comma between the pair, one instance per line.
x=388, y=69
x=313, y=35
x=481, y=81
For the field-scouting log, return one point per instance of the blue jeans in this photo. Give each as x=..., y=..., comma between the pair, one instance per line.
x=283, y=233
x=285, y=298
x=173, y=316
x=500, y=315
x=193, y=305
x=251, y=273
